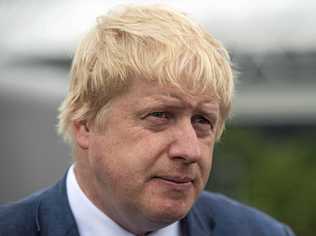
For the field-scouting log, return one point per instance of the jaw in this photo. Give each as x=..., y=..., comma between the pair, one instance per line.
x=153, y=219
x=168, y=202
x=155, y=209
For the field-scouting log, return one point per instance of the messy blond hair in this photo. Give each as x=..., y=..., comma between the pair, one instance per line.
x=148, y=42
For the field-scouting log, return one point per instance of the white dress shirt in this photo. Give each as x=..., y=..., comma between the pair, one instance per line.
x=92, y=221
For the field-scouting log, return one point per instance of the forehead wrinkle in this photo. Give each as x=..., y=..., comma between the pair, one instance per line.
x=205, y=104
x=162, y=100
x=195, y=101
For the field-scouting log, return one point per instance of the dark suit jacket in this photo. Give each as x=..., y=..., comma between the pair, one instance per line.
x=48, y=213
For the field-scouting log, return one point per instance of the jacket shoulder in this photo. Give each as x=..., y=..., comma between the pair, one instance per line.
x=234, y=218
x=19, y=218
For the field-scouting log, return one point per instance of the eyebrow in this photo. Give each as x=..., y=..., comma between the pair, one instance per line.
x=210, y=106
x=159, y=102
x=206, y=106
x=167, y=98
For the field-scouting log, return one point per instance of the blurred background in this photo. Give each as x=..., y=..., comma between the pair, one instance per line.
x=266, y=157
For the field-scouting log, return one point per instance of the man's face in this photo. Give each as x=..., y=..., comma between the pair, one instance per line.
x=154, y=155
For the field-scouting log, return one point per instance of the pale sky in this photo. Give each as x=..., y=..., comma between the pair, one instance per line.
x=252, y=25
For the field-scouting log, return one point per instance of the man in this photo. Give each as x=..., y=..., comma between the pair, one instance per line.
x=149, y=94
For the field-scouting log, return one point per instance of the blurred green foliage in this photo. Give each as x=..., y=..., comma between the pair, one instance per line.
x=270, y=168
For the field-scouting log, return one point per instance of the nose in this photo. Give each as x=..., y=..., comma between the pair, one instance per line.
x=185, y=143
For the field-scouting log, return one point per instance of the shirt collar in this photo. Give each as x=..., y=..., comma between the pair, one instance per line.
x=92, y=221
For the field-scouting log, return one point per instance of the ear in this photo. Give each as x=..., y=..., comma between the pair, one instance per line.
x=81, y=133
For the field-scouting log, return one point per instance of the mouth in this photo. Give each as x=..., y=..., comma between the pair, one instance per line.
x=177, y=179
x=179, y=183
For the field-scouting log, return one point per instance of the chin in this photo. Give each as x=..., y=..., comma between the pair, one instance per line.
x=166, y=204
x=170, y=211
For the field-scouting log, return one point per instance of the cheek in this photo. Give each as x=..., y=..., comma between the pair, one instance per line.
x=111, y=169
x=144, y=148
x=127, y=156
x=206, y=162
x=103, y=159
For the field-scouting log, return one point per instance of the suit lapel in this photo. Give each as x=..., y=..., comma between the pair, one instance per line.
x=53, y=214
x=196, y=224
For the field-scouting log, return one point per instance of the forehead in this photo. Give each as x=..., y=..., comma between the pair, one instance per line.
x=147, y=92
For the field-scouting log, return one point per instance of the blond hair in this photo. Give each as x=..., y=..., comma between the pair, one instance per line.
x=148, y=42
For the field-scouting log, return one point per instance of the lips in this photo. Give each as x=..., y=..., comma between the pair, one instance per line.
x=177, y=179
x=174, y=183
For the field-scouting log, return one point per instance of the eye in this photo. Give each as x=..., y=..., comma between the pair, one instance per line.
x=158, y=118
x=160, y=114
x=201, y=122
